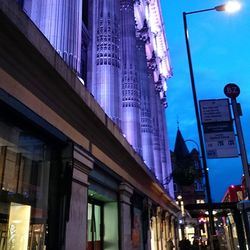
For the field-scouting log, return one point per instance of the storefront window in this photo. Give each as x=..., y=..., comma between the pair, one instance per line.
x=24, y=181
x=94, y=227
x=103, y=233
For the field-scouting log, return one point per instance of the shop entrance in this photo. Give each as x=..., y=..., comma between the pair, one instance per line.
x=103, y=232
x=95, y=226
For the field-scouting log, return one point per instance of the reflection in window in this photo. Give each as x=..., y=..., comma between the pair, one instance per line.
x=24, y=179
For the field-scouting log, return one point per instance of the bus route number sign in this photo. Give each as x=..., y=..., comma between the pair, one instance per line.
x=231, y=90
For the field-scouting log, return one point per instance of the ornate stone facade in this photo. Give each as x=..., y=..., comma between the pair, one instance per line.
x=127, y=65
x=63, y=156
x=104, y=55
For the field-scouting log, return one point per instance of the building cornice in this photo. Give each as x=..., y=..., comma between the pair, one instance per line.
x=148, y=15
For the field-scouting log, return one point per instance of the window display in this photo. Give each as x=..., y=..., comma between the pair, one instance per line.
x=18, y=226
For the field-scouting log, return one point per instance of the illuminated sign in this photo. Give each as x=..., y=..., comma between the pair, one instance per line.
x=18, y=227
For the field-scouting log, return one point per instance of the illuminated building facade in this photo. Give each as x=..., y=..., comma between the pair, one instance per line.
x=84, y=152
x=126, y=64
x=127, y=73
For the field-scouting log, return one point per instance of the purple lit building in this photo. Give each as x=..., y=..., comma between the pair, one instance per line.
x=127, y=73
x=83, y=135
x=127, y=64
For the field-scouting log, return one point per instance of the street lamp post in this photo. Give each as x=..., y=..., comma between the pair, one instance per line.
x=230, y=6
x=196, y=144
x=204, y=162
x=182, y=216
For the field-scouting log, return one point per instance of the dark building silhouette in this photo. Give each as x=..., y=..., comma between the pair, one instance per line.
x=187, y=172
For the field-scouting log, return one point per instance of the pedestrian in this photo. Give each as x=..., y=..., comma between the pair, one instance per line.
x=170, y=244
x=185, y=244
x=195, y=244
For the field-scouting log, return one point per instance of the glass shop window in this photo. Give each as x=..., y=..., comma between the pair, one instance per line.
x=24, y=182
x=95, y=239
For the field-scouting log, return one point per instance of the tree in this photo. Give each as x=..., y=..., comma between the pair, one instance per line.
x=184, y=172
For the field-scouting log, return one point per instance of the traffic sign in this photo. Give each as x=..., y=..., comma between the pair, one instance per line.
x=231, y=90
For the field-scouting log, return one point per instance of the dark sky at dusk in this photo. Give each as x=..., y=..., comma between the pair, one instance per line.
x=220, y=49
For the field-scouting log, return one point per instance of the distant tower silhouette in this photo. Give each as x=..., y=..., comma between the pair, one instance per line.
x=187, y=172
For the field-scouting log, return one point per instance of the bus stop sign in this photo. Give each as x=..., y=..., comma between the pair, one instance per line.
x=231, y=90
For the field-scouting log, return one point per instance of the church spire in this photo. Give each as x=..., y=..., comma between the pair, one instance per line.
x=180, y=148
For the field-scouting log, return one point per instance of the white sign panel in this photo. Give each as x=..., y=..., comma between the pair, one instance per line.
x=221, y=145
x=220, y=140
x=216, y=110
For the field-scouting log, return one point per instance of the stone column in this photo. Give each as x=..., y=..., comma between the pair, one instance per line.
x=154, y=235
x=155, y=138
x=61, y=22
x=167, y=230
x=164, y=235
x=162, y=132
x=130, y=89
x=148, y=245
x=146, y=120
x=167, y=219
x=126, y=192
x=170, y=185
x=76, y=228
x=162, y=141
x=104, y=55
x=174, y=230
x=159, y=227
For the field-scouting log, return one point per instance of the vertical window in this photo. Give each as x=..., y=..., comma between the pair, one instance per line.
x=95, y=217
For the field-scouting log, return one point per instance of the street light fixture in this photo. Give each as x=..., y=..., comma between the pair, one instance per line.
x=230, y=7
x=196, y=144
x=179, y=197
x=180, y=203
